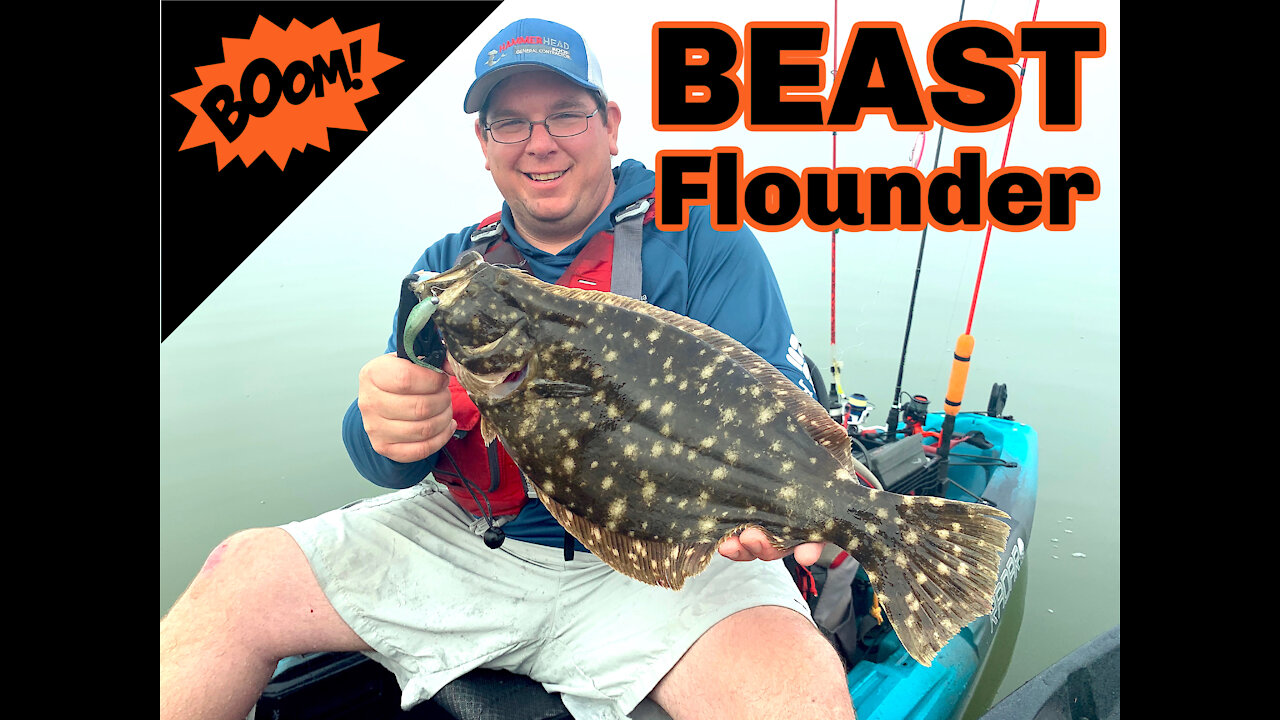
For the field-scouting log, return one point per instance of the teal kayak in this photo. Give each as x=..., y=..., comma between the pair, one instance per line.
x=888, y=684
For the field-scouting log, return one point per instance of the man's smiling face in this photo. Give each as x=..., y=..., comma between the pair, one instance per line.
x=555, y=186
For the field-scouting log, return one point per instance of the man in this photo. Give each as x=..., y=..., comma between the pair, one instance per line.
x=406, y=578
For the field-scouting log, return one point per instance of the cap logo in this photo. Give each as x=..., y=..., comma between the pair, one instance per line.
x=559, y=47
x=493, y=58
x=523, y=40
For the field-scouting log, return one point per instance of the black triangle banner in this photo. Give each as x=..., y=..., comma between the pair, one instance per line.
x=225, y=182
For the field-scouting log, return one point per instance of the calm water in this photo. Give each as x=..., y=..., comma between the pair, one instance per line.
x=254, y=384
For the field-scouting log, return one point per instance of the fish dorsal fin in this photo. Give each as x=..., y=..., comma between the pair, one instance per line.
x=808, y=412
x=656, y=563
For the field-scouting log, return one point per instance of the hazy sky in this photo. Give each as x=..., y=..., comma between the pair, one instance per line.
x=423, y=166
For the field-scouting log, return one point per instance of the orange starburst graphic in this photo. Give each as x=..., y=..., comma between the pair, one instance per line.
x=280, y=90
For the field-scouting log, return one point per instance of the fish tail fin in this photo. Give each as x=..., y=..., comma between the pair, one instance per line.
x=933, y=563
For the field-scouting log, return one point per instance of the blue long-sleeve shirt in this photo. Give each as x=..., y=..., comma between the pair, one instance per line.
x=720, y=278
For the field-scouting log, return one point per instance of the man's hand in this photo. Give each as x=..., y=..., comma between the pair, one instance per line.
x=753, y=544
x=407, y=409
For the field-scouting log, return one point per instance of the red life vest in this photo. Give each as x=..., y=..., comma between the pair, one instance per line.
x=494, y=485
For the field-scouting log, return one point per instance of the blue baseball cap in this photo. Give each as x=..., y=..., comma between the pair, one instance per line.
x=533, y=44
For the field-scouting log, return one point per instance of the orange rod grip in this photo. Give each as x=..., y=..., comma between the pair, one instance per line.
x=959, y=374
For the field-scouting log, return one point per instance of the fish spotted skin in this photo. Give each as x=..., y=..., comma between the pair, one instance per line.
x=652, y=438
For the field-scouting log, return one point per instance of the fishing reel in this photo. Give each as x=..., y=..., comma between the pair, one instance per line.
x=915, y=412
x=855, y=410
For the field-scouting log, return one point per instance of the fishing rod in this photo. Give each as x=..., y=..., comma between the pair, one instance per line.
x=855, y=407
x=964, y=344
x=837, y=389
x=891, y=425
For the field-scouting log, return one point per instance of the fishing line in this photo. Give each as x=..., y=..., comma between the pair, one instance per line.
x=1004, y=157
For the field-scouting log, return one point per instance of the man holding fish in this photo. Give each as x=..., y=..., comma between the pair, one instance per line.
x=414, y=579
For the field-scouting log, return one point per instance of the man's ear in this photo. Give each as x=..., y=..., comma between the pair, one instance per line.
x=614, y=115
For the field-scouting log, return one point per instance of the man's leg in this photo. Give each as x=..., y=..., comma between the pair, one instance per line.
x=254, y=601
x=763, y=662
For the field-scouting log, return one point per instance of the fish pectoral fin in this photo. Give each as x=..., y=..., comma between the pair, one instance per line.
x=487, y=432
x=558, y=389
x=649, y=561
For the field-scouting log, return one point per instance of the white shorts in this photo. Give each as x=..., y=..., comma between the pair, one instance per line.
x=408, y=572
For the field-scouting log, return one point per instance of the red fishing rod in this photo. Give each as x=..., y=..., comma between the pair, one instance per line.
x=836, y=390
x=964, y=344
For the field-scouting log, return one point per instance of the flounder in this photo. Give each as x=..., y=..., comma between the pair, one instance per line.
x=652, y=437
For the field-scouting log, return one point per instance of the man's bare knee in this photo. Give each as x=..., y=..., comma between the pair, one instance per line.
x=766, y=662
x=257, y=588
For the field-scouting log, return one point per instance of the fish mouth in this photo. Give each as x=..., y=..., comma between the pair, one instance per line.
x=509, y=384
x=493, y=386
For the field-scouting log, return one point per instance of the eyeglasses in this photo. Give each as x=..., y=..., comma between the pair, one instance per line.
x=565, y=124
